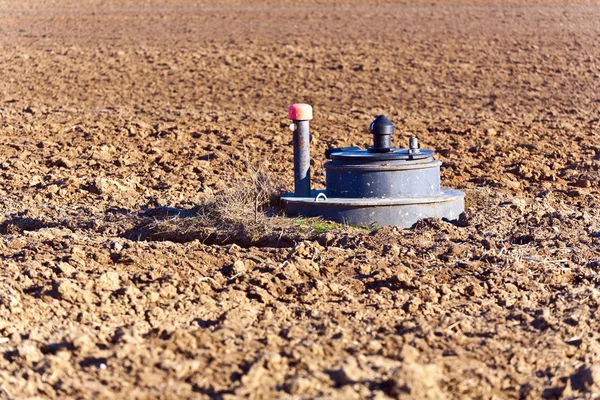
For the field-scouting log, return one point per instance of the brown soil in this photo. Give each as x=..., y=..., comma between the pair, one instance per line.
x=114, y=118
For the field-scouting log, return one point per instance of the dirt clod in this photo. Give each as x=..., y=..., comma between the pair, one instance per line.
x=586, y=379
x=416, y=381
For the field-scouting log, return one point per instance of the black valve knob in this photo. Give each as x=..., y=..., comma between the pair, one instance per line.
x=381, y=129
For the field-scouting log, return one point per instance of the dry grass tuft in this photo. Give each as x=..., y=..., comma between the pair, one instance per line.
x=247, y=212
x=252, y=196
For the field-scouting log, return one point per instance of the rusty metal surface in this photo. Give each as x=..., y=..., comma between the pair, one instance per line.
x=301, y=140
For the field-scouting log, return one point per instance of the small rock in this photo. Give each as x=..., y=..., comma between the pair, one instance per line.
x=155, y=316
x=83, y=343
x=16, y=244
x=108, y=281
x=416, y=381
x=463, y=220
x=445, y=289
x=106, y=186
x=412, y=305
x=100, y=186
x=511, y=184
x=298, y=385
x=10, y=297
x=349, y=373
x=203, y=164
x=391, y=250
x=77, y=261
x=475, y=290
x=409, y=353
x=233, y=249
x=64, y=163
x=183, y=340
x=329, y=237
x=66, y=269
x=67, y=290
x=116, y=246
x=29, y=352
x=52, y=189
x=153, y=297
x=239, y=267
x=103, y=153
x=35, y=180
x=586, y=378
x=168, y=292
x=78, y=251
x=374, y=346
x=584, y=183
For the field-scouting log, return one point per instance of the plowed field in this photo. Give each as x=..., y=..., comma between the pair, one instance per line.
x=119, y=120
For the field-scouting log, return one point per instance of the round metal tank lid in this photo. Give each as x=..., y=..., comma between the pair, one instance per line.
x=365, y=155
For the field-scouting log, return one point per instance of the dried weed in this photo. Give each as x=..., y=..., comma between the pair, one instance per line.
x=249, y=210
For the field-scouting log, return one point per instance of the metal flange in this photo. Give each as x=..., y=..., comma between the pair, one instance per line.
x=404, y=212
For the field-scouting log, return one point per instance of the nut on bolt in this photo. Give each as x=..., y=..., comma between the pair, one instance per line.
x=413, y=146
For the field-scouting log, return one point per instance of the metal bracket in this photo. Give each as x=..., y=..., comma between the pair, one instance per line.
x=321, y=197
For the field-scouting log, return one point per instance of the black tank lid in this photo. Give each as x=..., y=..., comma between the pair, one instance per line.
x=357, y=154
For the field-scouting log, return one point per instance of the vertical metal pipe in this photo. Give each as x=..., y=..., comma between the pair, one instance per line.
x=300, y=114
x=301, y=141
x=382, y=141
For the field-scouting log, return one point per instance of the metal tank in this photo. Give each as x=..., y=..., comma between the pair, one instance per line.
x=379, y=186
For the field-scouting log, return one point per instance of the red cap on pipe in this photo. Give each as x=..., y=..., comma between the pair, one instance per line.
x=300, y=112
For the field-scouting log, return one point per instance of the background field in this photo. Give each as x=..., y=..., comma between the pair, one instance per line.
x=118, y=119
